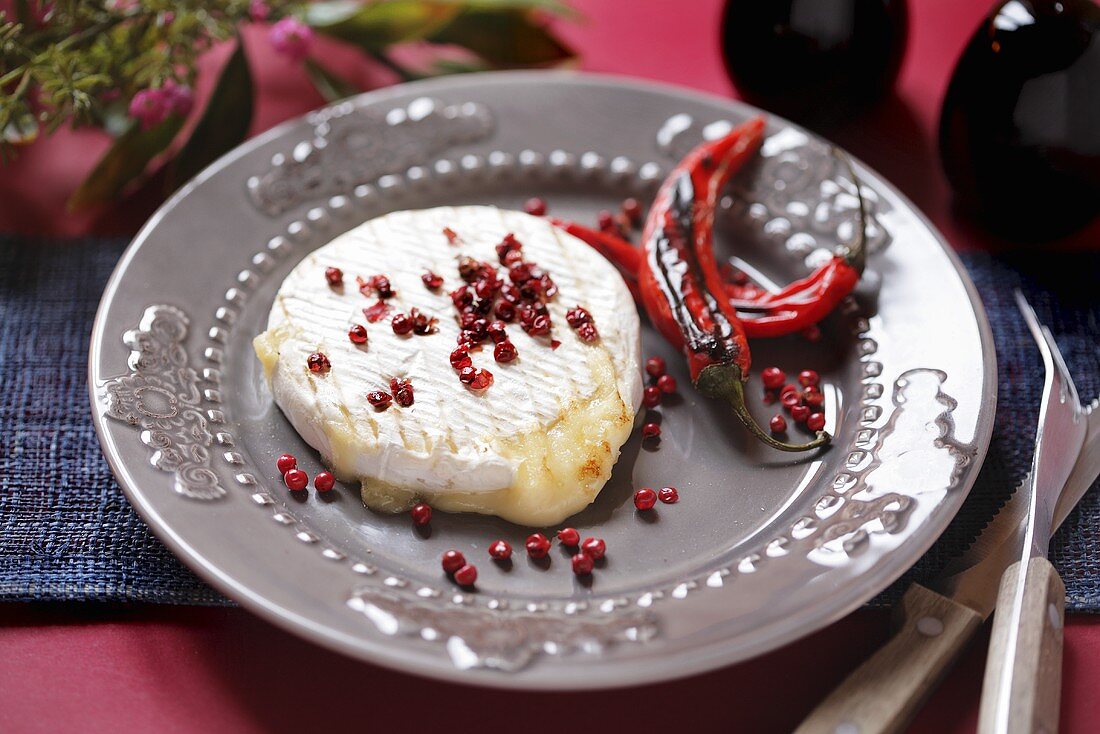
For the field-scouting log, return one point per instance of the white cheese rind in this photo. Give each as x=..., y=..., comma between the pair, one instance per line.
x=452, y=439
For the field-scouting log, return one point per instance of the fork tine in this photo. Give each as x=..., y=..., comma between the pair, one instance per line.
x=1060, y=364
x=1031, y=320
x=1048, y=348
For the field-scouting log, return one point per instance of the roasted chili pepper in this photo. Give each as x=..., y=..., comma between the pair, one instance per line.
x=797, y=307
x=805, y=302
x=679, y=277
x=801, y=305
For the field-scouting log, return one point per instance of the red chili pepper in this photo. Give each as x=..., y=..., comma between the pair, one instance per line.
x=797, y=307
x=679, y=277
x=800, y=305
x=804, y=303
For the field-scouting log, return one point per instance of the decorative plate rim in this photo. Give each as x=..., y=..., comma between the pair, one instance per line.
x=376, y=650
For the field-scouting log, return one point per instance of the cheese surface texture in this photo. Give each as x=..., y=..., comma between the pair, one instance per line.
x=533, y=448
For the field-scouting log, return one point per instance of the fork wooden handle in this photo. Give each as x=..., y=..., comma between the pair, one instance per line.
x=883, y=694
x=1023, y=673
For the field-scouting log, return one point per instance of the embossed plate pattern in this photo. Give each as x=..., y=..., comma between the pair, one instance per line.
x=761, y=549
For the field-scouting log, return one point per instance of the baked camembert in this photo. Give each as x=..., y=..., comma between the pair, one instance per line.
x=522, y=419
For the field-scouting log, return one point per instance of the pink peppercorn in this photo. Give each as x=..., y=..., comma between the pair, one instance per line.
x=645, y=498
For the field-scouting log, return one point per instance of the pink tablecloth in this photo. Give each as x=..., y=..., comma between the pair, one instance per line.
x=86, y=668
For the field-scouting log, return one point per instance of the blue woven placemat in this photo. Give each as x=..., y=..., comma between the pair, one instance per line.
x=68, y=533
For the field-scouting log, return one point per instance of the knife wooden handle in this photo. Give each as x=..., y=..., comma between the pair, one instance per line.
x=883, y=694
x=1027, y=628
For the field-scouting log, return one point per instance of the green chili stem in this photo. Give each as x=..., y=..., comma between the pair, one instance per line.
x=857, y=252
x=724, y=381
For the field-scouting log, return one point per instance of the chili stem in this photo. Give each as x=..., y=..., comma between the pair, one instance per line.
x=724, y=381
x=857, y=252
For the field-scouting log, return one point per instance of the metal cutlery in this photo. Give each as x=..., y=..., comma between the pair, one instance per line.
x=1023, y=672
x=935, y=622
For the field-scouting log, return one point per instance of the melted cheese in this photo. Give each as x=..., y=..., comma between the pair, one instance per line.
x=534, y=448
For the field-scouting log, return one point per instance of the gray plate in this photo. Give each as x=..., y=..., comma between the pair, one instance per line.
x=762, y=548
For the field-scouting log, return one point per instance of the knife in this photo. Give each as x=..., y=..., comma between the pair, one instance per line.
x=934, y=622
x=1023, y=673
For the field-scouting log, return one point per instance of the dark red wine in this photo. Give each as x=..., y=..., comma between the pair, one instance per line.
x=813, y=60
x=1020, y=127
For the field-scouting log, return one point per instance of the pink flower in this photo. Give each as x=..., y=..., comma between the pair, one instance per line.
x=291, y=37
x=180, y=98
x=153, y=106
x=150, y=107
x=258, y=10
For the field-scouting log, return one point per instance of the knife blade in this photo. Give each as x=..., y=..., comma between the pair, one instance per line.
x=1085, y=471
x=1058, y=440
x=973, y=577
x=935, y=623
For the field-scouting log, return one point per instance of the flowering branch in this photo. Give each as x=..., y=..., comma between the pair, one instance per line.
x=129, y=67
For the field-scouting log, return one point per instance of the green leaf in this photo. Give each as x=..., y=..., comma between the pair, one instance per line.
x=551, y=6
x=376, y=25
x=124, y=162
x=224, y=122
x=504, y=38
x=331, y=86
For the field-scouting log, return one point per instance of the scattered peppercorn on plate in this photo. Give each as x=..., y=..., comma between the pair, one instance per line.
x=543, y=380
